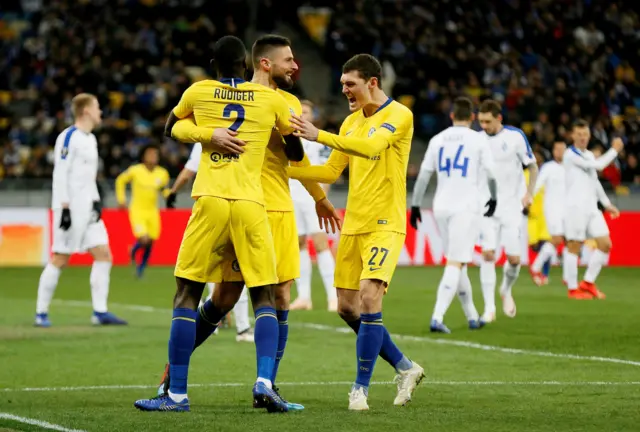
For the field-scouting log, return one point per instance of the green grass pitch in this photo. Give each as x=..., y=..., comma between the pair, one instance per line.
x=560, y=365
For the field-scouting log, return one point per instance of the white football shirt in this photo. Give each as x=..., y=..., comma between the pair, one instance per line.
x=583, y=189
x=511, y=151
x=462, y=160
x=194, y=158
x=75, y=170
x=551, y=178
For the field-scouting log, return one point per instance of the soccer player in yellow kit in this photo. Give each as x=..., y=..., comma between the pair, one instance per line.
x=273, y=66
x=229, y=213
x=147, y=179
x=378, y=133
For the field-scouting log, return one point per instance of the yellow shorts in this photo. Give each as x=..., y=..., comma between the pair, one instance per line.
x=219, y=229
x=537, y=230
x=285, y=243
x=145, y=223
x=367, y=256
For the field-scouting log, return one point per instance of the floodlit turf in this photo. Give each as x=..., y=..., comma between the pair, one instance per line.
x=475, y=386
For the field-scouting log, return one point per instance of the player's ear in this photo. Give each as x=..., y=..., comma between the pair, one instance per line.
x=451, y=115
x=265, y=63
x=373, y=83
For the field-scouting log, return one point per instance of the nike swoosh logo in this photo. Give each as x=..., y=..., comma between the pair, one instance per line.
x=363, y=360
x=374, y=268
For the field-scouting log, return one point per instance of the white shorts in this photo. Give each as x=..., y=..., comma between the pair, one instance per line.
x=507, y=232
x=80, y=237
x=306, y=217
x=459, y=233
x=555, y=222
x=581, y=225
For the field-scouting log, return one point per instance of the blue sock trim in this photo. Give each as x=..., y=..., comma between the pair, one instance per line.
x=371, y=318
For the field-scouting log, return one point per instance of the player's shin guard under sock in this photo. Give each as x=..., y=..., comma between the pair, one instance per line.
x=241, y=312
x=488, y=282
x=99, y=280
x=571, y=270
x=46, y=287
x=303, y=283
x=283, y=335
x=368, y=346
x=183, y=332
x=389, y=351
x=547, y=252
x=146, y=253
x=596, y=261
x=327, y=267
x=266, y=337
x=465, y=294
x=134, y=251
x=510, y=276
x=207, y=320
x=446, y=292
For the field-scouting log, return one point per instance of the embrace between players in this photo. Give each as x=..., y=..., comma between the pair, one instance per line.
x=237, y=236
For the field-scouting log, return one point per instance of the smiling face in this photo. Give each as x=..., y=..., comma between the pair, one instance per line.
x=281, y=66
x=357, y=90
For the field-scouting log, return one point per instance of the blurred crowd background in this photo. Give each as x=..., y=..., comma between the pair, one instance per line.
x=548, y=61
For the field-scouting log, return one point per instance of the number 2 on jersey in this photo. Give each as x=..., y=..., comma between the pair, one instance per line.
x=239, y=110
x=447, y=167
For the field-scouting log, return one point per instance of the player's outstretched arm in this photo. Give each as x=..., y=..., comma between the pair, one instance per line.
x=314, y=189
x=356, y=146
x=327, y=173
x=121, y=183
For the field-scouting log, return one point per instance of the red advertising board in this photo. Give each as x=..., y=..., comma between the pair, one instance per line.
x=423, y=247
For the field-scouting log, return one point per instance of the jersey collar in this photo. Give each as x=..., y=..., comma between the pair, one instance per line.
x=233, y=82
x=381, y=107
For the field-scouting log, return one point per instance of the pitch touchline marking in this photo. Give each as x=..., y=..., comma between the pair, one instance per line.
x=39, y=423
x=458, y=343
x=332, y=383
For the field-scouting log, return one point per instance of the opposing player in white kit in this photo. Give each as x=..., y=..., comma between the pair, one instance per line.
x=551, y=178
x=308, y=226
x=77, y=224
x=241, y=308
x=583, y=191
x=511, y=151
x=463, y=162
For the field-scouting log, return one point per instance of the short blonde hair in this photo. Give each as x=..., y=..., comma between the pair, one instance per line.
x=80, y=102
x=307, y=102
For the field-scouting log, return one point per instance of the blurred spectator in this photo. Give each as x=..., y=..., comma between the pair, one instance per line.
x=549, y=63
x=137, y=57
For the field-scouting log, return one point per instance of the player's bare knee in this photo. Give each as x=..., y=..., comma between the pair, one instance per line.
x=302, y=242
x=604, y=244
x=227, y=294
x=348, y=304
x=188, y=294
x=101, y=253
x=513, y=260
x=556, y=241
x=489, y=256
x=574, y=247
x=371, y=293
x=59, y=260
x=263, y=296
x=320, y=241
x=283, y=295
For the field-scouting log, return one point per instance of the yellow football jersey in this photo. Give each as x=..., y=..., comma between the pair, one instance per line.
x=250, y=109
x=536, y=208
x=145, y=186
x=380, y=146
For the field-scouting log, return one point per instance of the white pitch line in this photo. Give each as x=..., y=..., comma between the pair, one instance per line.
x=474, y=345
x=332, y=383
x=39, y=423
x=439, y=341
